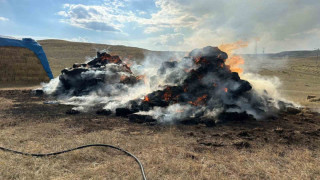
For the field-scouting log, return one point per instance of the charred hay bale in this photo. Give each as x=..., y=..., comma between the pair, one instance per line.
x=72, y=112
x=234, y=116
x=243, y=86
x=124, y=112
x=128, y=80
x=293, y=110
x=209, y=51
x=73, y=71
x=105, y=112
x=167, y=65
x=138, y=118
x=315, y=100
x=209, y=122
x=103, y=59
x=189, y=121
x=38, y=92
x=82, y=79
x=145, y=106
x=311, y=97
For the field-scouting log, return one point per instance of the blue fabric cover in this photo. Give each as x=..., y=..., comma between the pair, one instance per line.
x=33, y=46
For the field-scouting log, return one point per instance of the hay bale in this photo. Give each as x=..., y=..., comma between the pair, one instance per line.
x=20, y=65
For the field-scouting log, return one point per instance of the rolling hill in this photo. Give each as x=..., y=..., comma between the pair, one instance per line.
x=62, y=54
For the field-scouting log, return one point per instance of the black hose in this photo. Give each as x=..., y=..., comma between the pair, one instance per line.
x=81, y=147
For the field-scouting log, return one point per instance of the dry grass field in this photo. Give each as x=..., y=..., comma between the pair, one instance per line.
x=26, y=69
x=300, y=77
x=62, y=54
x=287, y=147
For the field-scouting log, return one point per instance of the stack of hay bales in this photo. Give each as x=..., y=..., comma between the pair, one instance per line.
x=20, y=66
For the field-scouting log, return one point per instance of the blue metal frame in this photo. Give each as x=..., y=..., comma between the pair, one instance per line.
x=33, y=46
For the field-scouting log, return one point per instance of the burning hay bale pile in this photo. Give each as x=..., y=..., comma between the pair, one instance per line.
x=209, y=89
x=198, y=88
x=82, y=79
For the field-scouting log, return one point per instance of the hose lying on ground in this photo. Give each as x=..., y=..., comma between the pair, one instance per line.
x=81, y=147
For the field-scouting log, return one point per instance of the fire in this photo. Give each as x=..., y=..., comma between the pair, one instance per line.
x=140, y=77
x=225, y=89
x=127, y=61
x=144, y=78
x=167, y=95
x=200, y=100
x=128, y=64
x=185, y=88
x=111, y=59
x=123, y=78
x=179, y=110
x=146, y=98
x=234, y=61
x=199, y=60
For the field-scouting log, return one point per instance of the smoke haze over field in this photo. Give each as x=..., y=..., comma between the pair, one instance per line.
x=169, y=24
x=205, y=84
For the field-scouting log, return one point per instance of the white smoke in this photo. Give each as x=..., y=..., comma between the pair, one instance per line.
x=112, y=94
x=51, y=87
x=255, y=64
x=263, y=84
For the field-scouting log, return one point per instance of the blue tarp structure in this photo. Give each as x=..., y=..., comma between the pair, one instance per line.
x=33, y=46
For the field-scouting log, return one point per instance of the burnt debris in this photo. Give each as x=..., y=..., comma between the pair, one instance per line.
x=207, y=85
x=210, y=85
x=81, y=79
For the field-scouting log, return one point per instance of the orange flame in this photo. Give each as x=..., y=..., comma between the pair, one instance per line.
x=185, y=88
x=200, y=60
x=127, y=61
x=199, y=101
x=111, y=59
x=167, y=95
x=143, y=77
x=225, y=89
x=123, y=78
x=234, y=61
x=179, y=110
x=197, y=60
x=146, y=98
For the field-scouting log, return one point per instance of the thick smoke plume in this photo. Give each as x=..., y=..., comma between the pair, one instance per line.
x=199, y=86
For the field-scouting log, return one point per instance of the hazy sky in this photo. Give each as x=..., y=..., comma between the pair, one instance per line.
x=168, y=24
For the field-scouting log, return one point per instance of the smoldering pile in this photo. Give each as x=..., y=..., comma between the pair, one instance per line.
x=105, y=69
x=199, y=88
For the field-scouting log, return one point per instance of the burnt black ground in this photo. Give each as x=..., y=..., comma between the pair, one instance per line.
x=302, y=129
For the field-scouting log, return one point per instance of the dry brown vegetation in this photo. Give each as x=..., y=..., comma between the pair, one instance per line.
x=20, y=66
x=300, y=77
x=62, y=54
x=284, y=148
